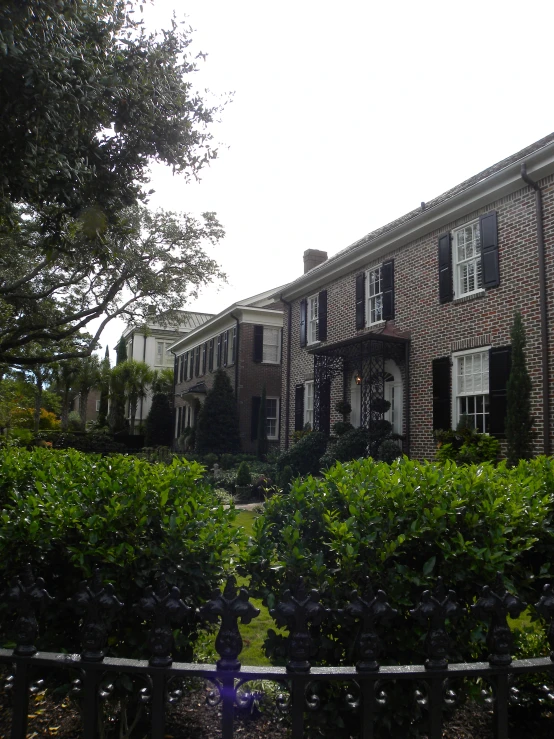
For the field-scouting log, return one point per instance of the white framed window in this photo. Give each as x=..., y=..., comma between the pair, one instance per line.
x=97, y=406
x=313, y=318
x=471, y=388
x=466, y=253
x=271, y=345
x=271, y=416
x=309, y=403
x=374, y=292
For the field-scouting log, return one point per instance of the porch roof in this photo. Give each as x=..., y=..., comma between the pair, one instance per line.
x=338, y=347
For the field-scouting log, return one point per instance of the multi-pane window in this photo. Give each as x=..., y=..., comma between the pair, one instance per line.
x=163, y=355
x=271, y=345
x=309, y=403
x=313, y=319
x=467, y=260
x=374, y=296
x=271, y=415
x=472, y=389
x=204, y=353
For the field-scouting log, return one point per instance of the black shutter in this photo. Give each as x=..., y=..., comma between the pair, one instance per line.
x=197, y=361
x=360, y=301
x=219, y=342
x=225, y=347
x=204, y=352
x=211, y=356
x=500, y=363
x=303, y=322
x=322, y=316
x=185, y=368
x=445, y=268
x=256, y=402
x=323, y=420
x=489, y=249
x=387, y=288
x=442, y=388
x=299, y=408
x=258, y=343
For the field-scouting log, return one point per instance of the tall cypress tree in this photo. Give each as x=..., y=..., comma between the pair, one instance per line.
x=519, y=422
x=121, y=351
x=102, y=419
x=217, y=429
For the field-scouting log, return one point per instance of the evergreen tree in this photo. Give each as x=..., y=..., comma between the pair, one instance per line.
x=159, y=422
x=261, y=443
x=217, y=429
x=121, y=351
x=519, y=422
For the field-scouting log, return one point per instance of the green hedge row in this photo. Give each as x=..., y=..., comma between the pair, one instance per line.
x=68, y=512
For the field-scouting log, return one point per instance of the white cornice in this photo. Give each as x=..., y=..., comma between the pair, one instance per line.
x=506, y=181
x=226, y=320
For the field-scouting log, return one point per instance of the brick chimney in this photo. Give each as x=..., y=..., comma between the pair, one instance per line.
x=313, y=258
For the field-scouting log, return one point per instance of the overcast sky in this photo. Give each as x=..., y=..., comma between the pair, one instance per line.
x=348, y=115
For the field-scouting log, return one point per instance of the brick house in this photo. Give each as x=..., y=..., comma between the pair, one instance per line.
x=419, y=312
x=245, y=341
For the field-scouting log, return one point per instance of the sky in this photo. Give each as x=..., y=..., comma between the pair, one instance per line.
x=344, y=116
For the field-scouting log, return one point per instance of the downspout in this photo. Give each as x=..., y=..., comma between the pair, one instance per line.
x=287, y=376
x=236, y=359
x=543, y=309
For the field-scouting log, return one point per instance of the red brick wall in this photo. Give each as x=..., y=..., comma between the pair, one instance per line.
x=439, y=329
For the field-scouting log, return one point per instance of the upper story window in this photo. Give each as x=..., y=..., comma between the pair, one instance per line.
x=467, y=259
x=231, y=359
x=271, y=341
x=313, y=319
x=163, y=355
x=374, y=296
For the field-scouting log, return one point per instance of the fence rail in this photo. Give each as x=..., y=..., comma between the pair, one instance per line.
x=300, y=611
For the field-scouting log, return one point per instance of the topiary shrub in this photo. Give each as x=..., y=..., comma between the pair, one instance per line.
x=341, y=427
x=303, y=457
x=389, y=451
x=285, y=478
x=159, y=422
x=67, y=513
x=243, y=475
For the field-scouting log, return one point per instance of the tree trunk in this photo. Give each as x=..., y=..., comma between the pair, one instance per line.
x=38, y=402
x=83, y=402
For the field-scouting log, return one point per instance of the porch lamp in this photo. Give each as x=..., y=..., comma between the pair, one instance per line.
x=358, y=378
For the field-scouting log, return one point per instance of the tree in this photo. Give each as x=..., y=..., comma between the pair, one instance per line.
x=102, y=419
x=261, y=442
x=64, y=379
x=217, y=428
x=159, y=422
x=89, y=100
x=162, y=382
x=87, y=379
x=154, y=261
x=519, y=421
x=121, y=351
x=135, y=378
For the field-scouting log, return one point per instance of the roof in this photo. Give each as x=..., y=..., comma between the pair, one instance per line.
x=418, y=213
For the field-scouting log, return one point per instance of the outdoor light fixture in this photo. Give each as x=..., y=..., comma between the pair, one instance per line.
x=358, y=378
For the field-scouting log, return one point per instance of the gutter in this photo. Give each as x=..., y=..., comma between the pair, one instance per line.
x=543, y=308
x=287, y=376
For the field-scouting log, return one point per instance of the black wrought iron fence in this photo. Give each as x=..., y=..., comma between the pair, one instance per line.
x=300, y=612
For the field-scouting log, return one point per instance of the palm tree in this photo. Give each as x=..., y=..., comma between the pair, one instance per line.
x=135, y=377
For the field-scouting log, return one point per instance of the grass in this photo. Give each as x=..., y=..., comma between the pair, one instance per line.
x=254, y=633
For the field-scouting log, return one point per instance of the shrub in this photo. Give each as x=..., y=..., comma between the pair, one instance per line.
x=303, y=457
x=389, y=451
x=351, y=445
x=93, y=442
x=226, y=461
x=519, y=422
x=465, y=445
x=402, y=526
x=285, y=478
x=66, y=513
x=341, y=427
x=209, y=460
x=217, y=429
x=159, y=422
x=243, y=475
